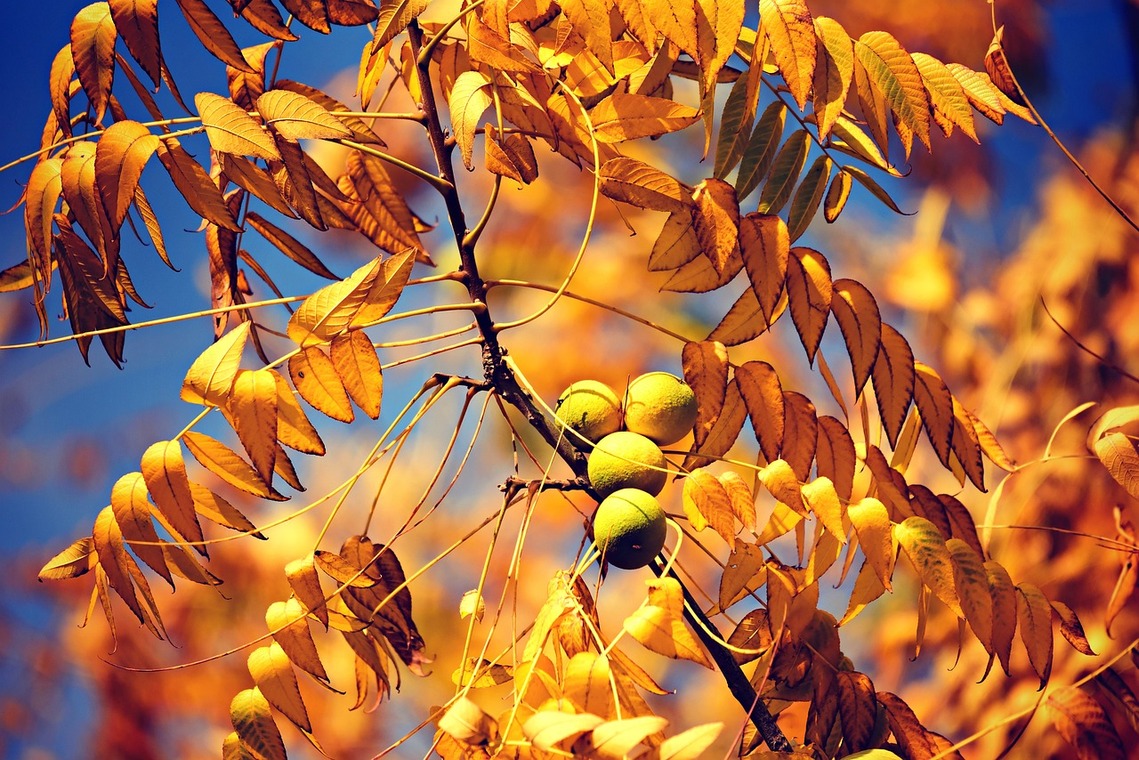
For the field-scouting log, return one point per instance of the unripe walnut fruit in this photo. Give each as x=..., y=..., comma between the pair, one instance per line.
x=660, y=406
x=591, y=408
x=629, y=528
x=626, y=460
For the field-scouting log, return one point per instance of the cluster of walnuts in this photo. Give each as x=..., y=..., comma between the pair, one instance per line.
x=626, y=465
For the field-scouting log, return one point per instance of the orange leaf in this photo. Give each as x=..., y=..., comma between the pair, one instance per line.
x=120, y=156
x=377, y=207
x=936, y=406
x=510, y=155
x=394, y=18
x=1034, y=615
x=972, y=584
x=894, y=72
x=132, y=513
x=980, y=91
x=745, y=572
x=700, y=276
x=740, y=497
x=765, y=246
x=93, y=50
x=835, y=457
x=800, y=432
x=1071, y=628
x=293, y=427
x=745, y=320
x=305, y=583
x=867, y=587
x=252, y=408
x=354, y=358
x=809, y=293
x=75, y=560
x=857, y=709
x=925, y=546
x=210, y=378
x=837, y=195
x=164, y=471
x=788, y=24
x=871, y=523
x=1118, y=454
x=644, y=186
x=114, y=560
x=137, y=23
x=1004, y=610
x=195, y=184
x=707, y=503
x=716, y=221
x=946, y=96
x=319, y=384
x=856, y=312
x=288, y=622
x=231, y=130
x=763, y=395
x=706, y=372
x=213, y=35
x=288, y=245
x=221, y=460
x=45, y=186
x=893, y=381
x=1084, y=724
x=213, y=507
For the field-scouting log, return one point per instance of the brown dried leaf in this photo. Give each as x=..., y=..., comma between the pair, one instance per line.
x=765, y=246
x=857, y=709
x=893, y=381
x=763, y=395
x=857, y=314
x=644, y=186
x=809, y=293
x=289, y=245
x=1084, y=724
x=835, y=456
x=800, y=433
x=213, y=35
x=1034, y=616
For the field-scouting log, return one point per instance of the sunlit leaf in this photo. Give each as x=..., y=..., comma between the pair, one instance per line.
x=936, y=406
x=297, y=117
x=1034, y=616
x=857, y=314
x=707, y=503
x=809, y=292
x=468, y=100
x=834, y=71
x=75, y=560
x=762, y=392
x=114, y=560
x=658, y=624
x=789, y=26
x=318, y=382
x=716, y=221
x=213, y=35
x=895, y=73
x=232, y=130
x=222, y=461
x=1084, y=724
x=360, y=300
x=689, y=744
x=925, y=546
x=210, y=378
x=639, y=184
x=615, y=739
x=744, y=573
x=394, y=18
x=252, y=720
x=93, y=51
x=621, y=117
x=271, y=671
x=765, y=248
x=195, y=185
x=946, y=95
x=706, y=372
x=252, y=408
x=785, y=169
x=164, y=472
x=289, y=625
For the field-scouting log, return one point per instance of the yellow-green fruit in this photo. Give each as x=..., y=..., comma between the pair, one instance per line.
x=591, y=408
x=629, y=528
x=626, y=460
x=660, y=406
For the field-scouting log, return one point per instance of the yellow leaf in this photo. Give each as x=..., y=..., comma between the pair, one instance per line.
x=72, y=562
x=305, y=583
x=980, y=91
x=622, y=116
x=231, y=130
x=288, y=623
x=1118, y=454
x=222, y=461
x=946, y=95
x=472, y=604
x=361, y=300
x=822, y=499
x=394, y=18
x=468, y=100
x=252, y=407
x=559, y=603
x=93, y=50
x=1034, y=616
x=467, y=722
x=706, y=502
x=677, y=22
x=586, y=683
x=164, y=471
x=706, y=372
x=616, y=739
x=210, y=377
x=690, y=744
x=867, y=587
x=354, y=358
x=718, y=25
x=924, y=545
x=589, y=18
x=872, y=525
x=788, y=24
x=132, y=513
x=253, y=722
x=343, y=571
x=269, y=666
x=897, y=76
x=837, y=195
x=114, y=560
x=676, y=245
x=296, y=117
x=547, y=729
x=120, y=156
x=213, y=507
x=659, y=623
x=1004, y=610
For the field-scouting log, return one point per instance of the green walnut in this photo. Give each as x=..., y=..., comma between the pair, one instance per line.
x=629, y=528
x=590, y=408
x=660, y=406
x=626, y=460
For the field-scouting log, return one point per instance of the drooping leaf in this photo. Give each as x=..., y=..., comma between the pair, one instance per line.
x=809, y=293
x=378, y=208
x=120, y=156
x=1034, y=617
x=618, y=738
x=164, y=472
x=808, y=196
x=837, y=195
x=212, y=33
x=895, y=73
x=1084, y=724
x=77, y=559
x=762, y=392
x=707, y=503
x=468, y=100
x=875, y=189
x=857, y=314
x=213, y=507
x=210, y=378
x=273, y=674
x=1071, y=628
x=972, y=585
x=1005, y=602
x=946, y=96
x=114, y=560
x=834, y=70
x=706, y=372
x=857, y=708
x=293, y=427
x=224, y=462
x=800, y=432
x=305, y=583
x=689, y=744
x=201, y=194
x=979, y=91
x=252, y=408
x=252, y=720
x=289, y=626
x=925, y=546
x=318, y=382
x=658, y=624
x=893, y=375
x=785, y=169
x=644, y=186
x=936, y=406
x=132, y=513
x=761, y=148
x=764, y=244
x=93, y=51
x=871, y=523
x=510, y=155
x=360, y=300
x=394, y=18
x=788, y=24
x=288, y=245
x=716, y=221
x=835, y=456
x=1118, y=454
